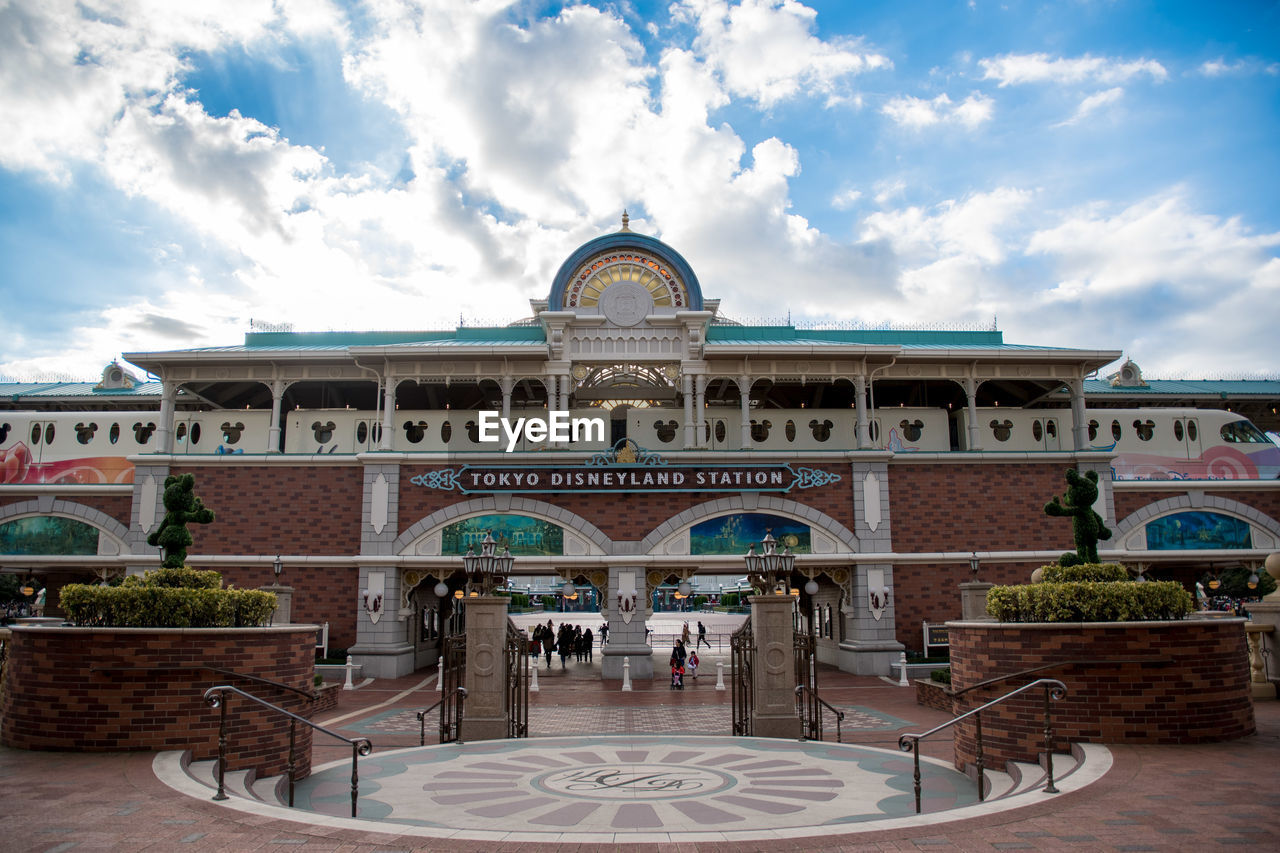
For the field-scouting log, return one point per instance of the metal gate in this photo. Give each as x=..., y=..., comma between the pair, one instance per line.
x=743, y=649
x=454, y=694
x=807, y=701
x=516, y=692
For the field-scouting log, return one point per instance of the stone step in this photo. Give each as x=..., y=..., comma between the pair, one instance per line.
x=999, y=784
x=1028, y=776
x=272, y=789
x=235, y=783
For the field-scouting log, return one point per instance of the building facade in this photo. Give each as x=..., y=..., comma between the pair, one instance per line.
x=624, y=438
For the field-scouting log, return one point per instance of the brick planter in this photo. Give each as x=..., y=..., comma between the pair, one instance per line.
x=1192, y=685
x=108, y=689
x=933, y=694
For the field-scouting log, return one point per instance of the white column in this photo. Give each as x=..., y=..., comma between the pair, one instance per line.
x=744, y=391
x=566, y=388
x=388, y=416
x=507, y=384
x=686, y=388
x=700, y=409
x=168, y=400
x=1079, y=424
x=860, y=406
x=277, y=401
x=971, y=392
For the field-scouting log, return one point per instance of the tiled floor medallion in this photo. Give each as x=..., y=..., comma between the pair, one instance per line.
x=635, y=784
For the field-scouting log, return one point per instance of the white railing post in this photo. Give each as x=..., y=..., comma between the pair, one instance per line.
x=902, y=674
x=719, y=675
x=440, y=674
x=533, y=670
x=626, y=675
x=350, y=667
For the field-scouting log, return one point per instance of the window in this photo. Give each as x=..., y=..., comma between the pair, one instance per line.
x=1051, y=429
x=1115, y=430
x=1145, y=429
x=1093, y=430
x=911, y=430
x=875, y=430
x=1236, y=432
x=1037, y=432
x=84, y=432
x=323, y=432
x=195, y=433
x=48, y=433
x=760, y=429
x=4, y=432
x=821, y=429
x=1177, y=430
x=113, y=434
x=789, y=429
x=446, y=432
x=720, y=428
x=142, y=432
x=180, y=434
x=1002, y=430
x=666, y=430
x=1192, y=431
x=231, y=432
x=415, y=432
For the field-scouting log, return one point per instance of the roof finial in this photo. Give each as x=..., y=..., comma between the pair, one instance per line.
x=626, y=220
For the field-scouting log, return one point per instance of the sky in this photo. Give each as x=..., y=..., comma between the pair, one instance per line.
x=1099, y=174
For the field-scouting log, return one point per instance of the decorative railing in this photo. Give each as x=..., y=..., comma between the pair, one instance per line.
x=516, y=685
x=812, y=717
x=1053, y=689
x=450, y=706
x=742, y=648
x=217, y=698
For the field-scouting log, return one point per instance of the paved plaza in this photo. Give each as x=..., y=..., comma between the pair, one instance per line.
x=1150, y=798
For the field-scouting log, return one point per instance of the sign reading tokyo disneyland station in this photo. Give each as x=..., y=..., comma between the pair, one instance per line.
x=625, y=469
x=626, y=432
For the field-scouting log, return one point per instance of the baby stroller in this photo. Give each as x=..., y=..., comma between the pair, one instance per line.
x=677, y=677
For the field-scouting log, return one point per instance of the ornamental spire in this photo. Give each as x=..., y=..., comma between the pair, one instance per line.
x=626, y=220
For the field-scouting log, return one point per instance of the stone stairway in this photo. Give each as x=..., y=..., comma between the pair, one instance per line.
x=242, y=784
x=1023, y=777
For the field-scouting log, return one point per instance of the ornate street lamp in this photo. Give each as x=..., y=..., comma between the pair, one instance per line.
x=488, y=570
x=769, y=567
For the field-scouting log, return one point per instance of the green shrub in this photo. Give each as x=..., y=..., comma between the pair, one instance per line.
x=729, y=599
x=1085, y=601
x=1086, y=572
x=942, y=676
x=167, y=598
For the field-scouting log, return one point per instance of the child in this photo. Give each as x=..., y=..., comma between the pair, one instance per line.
x=693, y=665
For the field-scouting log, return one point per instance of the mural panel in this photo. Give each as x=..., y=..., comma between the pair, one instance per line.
x=525, y=536
x=48, y=534
x=733, y=534
x=1191, y=531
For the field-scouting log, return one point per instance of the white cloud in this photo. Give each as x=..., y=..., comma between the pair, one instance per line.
x=845, y=199
x=917, y=113
x=1200, y=291
x=1015, y=69
x=1095, y=102
x=1221, y=68
x=765, y=49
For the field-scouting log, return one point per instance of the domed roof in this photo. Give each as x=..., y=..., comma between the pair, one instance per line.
x=644, y=264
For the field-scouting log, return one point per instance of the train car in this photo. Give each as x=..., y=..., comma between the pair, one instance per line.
x=93, y=447
x=1151, y=443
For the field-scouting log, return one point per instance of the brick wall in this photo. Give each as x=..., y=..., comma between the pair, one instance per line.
x=1200, y=694
x=57, y=696
x=320, y=594
x=977, y=507
x=275, y=509
x=932, y=593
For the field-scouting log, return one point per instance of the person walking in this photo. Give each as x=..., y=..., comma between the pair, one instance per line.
x=693, y=664
x=702, y=635
x=548, y=643
x=588, y=644
x=684, y=634
x=604, y=634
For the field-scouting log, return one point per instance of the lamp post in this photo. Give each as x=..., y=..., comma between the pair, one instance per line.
x=278, y=567
x=488, y=569
x=769, y=567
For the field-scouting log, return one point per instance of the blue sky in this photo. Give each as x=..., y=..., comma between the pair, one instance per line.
x=1092, y=174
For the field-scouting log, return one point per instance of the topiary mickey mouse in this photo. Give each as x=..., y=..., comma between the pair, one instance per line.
x=1086, y=524
x=182, y=507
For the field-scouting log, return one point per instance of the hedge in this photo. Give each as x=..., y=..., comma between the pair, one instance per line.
x=167, y=598
x=1094, y=572
x=1089, y=601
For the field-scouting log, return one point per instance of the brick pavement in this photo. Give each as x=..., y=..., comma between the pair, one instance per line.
x=1199, y=797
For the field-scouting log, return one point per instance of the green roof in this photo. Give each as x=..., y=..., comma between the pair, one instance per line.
x=341, y=340
x=1222, y=388
x=877, y=337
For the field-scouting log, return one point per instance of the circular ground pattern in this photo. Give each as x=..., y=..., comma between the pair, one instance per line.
x=635, y=784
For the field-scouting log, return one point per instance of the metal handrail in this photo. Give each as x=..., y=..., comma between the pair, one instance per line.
x=1031, y=671
x=1053, y=688
x=802, y=689
x=216, y=697
x=422, y=715
x=186, y=667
